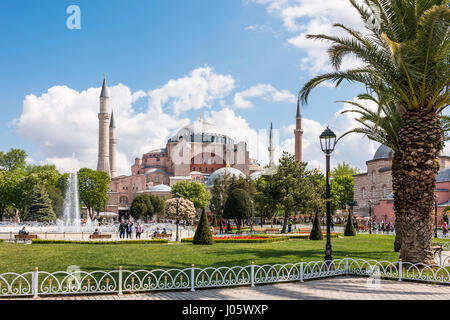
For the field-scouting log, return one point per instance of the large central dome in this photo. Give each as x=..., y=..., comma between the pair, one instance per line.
x=201, y=131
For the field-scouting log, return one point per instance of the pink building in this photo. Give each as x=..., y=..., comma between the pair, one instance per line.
x=375, y=186
x=193, y=154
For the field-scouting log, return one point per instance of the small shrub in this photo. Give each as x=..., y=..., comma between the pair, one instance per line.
x=203, y=233
x=316, y=231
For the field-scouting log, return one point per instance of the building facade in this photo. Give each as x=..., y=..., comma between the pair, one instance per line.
x=197, y=152
x=375, y=185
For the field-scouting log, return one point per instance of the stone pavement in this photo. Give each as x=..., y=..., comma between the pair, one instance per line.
x=345, y=288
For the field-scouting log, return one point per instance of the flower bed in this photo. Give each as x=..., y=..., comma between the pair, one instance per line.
x=295, y=236
x=243, y=239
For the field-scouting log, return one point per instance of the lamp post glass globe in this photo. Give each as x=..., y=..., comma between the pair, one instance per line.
x=327, y=143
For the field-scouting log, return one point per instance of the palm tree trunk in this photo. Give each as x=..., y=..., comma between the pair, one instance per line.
x=398, y=198
x=420, y=140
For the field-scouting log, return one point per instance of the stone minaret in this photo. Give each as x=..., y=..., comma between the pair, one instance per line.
x=298, y=132
x=271, y=148
x=103, y=131
x=112, y=147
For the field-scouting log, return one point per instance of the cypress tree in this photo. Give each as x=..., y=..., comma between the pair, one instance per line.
x=203, y=233
x=349, y=228
x=316, y=231
x=40, y=208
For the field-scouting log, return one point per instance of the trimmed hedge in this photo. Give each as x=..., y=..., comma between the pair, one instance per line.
x=266, y=240
x=43, y=241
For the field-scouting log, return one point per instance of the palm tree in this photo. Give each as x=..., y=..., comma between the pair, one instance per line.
x=383, y=126
x=406, y=60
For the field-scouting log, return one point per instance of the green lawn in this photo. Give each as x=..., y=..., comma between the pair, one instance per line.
x=55, y=257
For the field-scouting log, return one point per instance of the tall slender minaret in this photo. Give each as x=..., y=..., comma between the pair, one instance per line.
x=271, y=148
x=103, y=131
x=112, y=146
x=298, y=132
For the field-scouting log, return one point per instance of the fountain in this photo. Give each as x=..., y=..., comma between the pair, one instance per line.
x=71, y=220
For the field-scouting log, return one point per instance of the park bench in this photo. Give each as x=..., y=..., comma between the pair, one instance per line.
x=25, y=237
x=100, y=236
x=160, y=235
x=437, y=248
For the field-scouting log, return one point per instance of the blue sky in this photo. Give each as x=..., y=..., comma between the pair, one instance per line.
x=145, y=44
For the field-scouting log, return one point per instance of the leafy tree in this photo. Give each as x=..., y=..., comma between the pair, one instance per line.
x=203, y=233
x=343, y=170
x=266, y=201
x=238, y=206
x=13, y=160
x=158, y=205
x=405, y=58
x=316, y=230
x=219, y=195
x=193, y=191
x=56, y=196
x=93, y=187
x=341, y=191
x=40, y=206
x=297, y=189
x=179, y=209
x=142, y=207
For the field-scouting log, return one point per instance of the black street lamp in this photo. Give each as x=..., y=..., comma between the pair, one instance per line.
x=327, y=143
x=435, y=216
x=370, y=216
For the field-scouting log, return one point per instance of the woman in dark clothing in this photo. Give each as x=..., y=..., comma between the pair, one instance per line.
x=129, y=229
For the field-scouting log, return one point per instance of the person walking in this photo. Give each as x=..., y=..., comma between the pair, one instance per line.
x=444, y=229
x=138, y=230
x=122, y=229
x=129, y=229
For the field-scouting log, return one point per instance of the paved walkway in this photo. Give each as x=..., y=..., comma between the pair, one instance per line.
x=345, y=288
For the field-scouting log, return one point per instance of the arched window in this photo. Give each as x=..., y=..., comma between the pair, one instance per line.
x=373, y=176
x=149, y=179
x=164, y=180
x=157, y=178
x=123, y=200
x=363, y=193
x=385, y=192
x=374, y=192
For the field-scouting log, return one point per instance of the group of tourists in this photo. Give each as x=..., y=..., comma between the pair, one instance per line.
x=127, y=228
x=383, y=227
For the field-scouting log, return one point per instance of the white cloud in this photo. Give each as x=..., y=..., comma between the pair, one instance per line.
x=314, y=17
x=63, y=122
x=196, y=91
x=264, y=91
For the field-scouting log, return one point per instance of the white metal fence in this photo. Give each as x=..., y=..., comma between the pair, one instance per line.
x=125, y=281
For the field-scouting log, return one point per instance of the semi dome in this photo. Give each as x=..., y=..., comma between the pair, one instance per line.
x=160, y=188
x=382, y=152
x=218, y=174
x=201, y=131
x=443, y=175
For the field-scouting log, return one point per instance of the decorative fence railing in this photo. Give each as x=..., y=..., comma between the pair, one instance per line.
x=125, y=281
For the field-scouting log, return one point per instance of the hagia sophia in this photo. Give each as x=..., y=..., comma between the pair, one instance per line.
x=197, y=152
x=201, y=152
